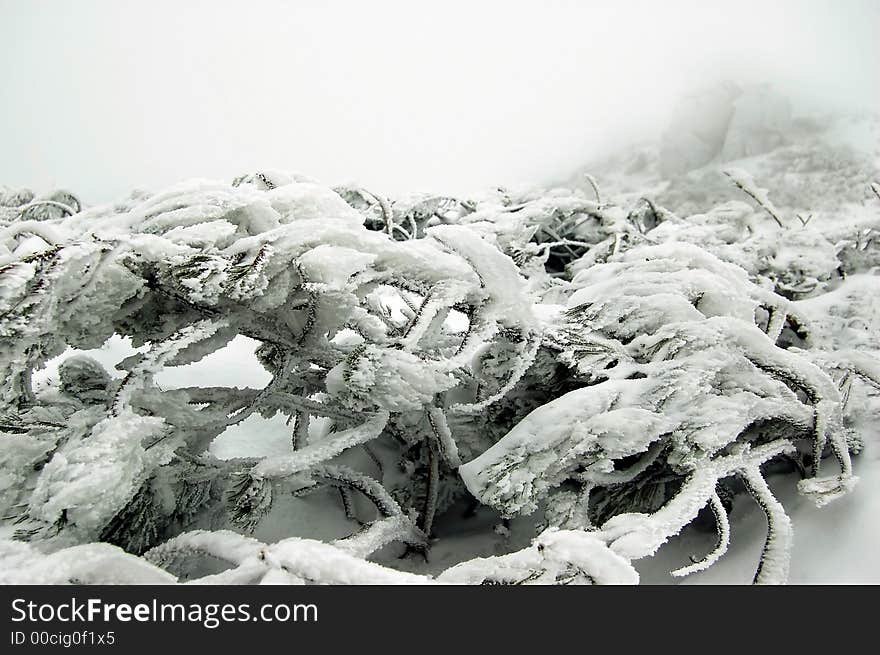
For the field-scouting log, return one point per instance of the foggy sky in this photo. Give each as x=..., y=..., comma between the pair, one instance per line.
x=101, y=97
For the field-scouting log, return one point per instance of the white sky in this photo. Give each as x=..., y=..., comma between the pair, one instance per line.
x=104, y=96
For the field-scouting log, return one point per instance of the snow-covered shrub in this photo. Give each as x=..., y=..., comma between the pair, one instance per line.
x=608, y=366
x=676, y=375
x=292, y=266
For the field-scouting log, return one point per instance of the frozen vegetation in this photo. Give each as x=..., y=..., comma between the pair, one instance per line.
x=270, y=380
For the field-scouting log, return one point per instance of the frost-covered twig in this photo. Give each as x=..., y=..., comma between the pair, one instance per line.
x=46, y=203
x=747, y=185
x=776, y=555
x=313, y=454
x=722, y=525
x=595, y=186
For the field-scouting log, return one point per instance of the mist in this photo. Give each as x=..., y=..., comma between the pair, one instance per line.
x=101, y=97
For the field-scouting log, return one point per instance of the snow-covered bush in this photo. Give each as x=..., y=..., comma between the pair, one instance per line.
x=609, y=367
